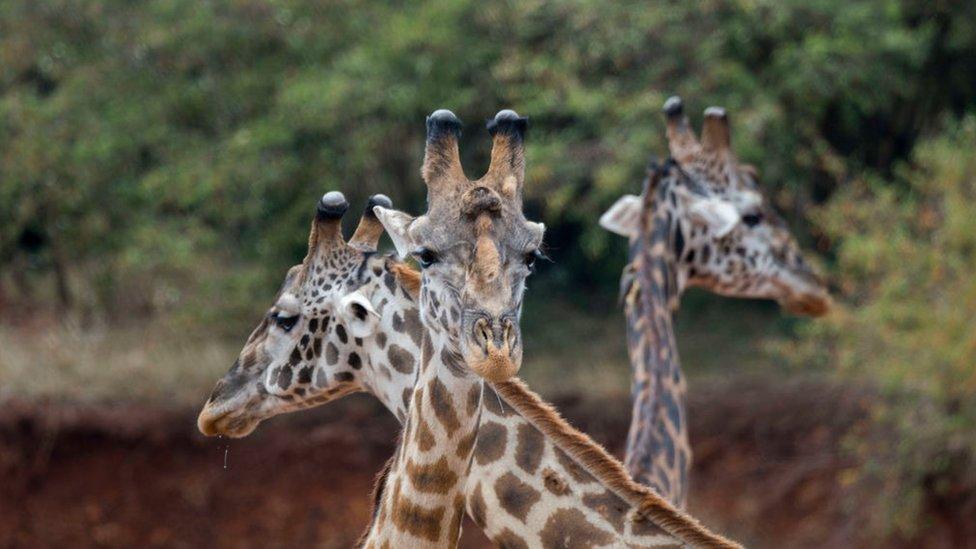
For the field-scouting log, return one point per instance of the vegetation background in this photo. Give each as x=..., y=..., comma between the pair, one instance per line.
x=160, y=162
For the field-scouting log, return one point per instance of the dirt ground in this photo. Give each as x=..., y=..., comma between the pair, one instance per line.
x=767, y=471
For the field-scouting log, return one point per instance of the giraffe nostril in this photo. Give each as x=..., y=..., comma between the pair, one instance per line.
x=482, y=332
x=494, y=334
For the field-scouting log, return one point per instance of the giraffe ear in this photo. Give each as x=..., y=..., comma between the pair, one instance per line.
x=720, y=216
x=623, y=217
x=397, y=225
x=358, y=314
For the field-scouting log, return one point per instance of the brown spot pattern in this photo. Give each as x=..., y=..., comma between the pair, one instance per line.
x=414, y=328
x=508, y=539
x=440, y=400
x=465, y=444
x=417, y=520
x=435, y=478
x=609, y=506
x=528, y=451
x=554, y=482
x=401, y=359
x=515, y=496
x=424, y=437
x=426, y=351
x=568, y=528
x=454, y=362
x=457, y=513
x=474, y=398
x=407, y=393
x=491, y=442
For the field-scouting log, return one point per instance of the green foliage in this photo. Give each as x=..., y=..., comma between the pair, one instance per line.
x=167, y=155
x=905, y=261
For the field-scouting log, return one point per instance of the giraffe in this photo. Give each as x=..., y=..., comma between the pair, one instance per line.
x=701, y=222
x=357, y=328
x=476, y=249
x=345, y=320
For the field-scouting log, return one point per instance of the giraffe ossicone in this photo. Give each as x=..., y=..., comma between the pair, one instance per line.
x=701, y=221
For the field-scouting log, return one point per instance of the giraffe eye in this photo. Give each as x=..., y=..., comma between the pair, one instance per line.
x=284, y=321
x=426, y=257
x=751, y=220
x=532, y=257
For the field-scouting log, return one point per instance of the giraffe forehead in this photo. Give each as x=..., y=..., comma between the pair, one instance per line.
x=288, y=303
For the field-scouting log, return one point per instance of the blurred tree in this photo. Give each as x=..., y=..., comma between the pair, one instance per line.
x=156, y=153
x=905, y=262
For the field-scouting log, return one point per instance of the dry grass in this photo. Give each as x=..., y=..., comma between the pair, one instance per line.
x=147, y=362
x=571, y=348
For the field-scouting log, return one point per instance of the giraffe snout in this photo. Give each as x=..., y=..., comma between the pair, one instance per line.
x=494, y=334
x=493, y=350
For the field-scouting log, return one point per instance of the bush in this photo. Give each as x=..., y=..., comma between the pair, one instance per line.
x=906, y=255
x=141, y=144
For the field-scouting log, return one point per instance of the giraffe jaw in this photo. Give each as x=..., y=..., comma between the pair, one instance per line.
x=813, y=305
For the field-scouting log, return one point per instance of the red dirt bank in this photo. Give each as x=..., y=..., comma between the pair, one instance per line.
x=766, y=471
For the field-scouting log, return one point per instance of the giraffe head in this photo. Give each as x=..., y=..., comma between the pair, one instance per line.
x=725, y=236
x=474, y=245
x=341, y=309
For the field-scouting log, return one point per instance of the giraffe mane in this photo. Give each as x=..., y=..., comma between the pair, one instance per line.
x=407, y=277
x=376, y=497
x=608, y=470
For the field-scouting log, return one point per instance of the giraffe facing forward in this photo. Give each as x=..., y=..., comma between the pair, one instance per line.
x=701, y=222
x=475, y=249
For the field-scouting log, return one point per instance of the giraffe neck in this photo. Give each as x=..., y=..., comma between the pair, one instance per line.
x=658, y=451
x=422, y=499
x=392, y=362
x=537, y=482
x=529, y=477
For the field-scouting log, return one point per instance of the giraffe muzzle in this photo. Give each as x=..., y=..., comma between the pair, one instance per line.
x=226, y=412
x=803, y=292
x=494, y=350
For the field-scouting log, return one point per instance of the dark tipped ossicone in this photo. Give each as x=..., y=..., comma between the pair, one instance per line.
x=508, y=122
x=441, y=123
x=674, y=106
x=332, y=205
x=715, y=130
x=716, y=112
x=380, y=200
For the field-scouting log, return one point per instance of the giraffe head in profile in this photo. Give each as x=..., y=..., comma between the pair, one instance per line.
x=474, y=246
x=344, y=307
x=726, y=237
